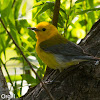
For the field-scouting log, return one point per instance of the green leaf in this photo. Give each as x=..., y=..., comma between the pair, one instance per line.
x=17, y=8
x=46, y=6
x=86, y=11
x=2, y=30
x=2, y=42
x=39, y=4
x=32, y=35
x=29, y=79
x=39, y=60
x=6, y=11
x=24, y=9
x=14, y=33
x=78, y=1
x=83, y=22
x=60, y=21
x=62, y=11
x=91, y=3
x=8, y=43
x=91, y=14
x=17, y=14
x=23, y=23
x=18, y=78
x=16, y=58
x=40, y=73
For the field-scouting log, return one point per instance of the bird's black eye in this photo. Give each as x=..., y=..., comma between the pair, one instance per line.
x=43, y=29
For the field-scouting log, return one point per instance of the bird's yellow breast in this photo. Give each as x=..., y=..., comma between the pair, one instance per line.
x=47, y=58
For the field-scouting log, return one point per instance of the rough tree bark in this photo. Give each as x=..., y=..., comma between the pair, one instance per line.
x=79, y=82
x=3, y=87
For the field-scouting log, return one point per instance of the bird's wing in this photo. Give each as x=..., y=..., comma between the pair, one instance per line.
x=61, y=47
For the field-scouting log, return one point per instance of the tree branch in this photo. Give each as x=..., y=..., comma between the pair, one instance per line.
x=3, y=85
x=56, y=13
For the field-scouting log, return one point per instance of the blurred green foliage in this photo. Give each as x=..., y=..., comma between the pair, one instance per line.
x=76, y=18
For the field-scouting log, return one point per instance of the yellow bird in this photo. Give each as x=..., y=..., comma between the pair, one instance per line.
x=56, y=51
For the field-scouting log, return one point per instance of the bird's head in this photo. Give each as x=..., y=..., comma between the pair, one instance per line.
x=44, y=31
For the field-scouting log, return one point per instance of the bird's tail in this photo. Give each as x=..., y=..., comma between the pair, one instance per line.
x=90, y=58
x=86, y=58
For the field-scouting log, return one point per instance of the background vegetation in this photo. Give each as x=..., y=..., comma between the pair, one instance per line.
x=75, y=20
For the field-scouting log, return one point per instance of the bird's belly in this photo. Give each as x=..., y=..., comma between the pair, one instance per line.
x=47, y=58
x=65, y=62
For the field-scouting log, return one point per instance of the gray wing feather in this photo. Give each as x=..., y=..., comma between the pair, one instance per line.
x=68, y=49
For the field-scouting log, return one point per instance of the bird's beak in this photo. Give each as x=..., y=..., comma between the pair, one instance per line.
x=33, y=28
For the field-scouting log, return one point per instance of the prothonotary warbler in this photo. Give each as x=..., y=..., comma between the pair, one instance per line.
x=55, y=50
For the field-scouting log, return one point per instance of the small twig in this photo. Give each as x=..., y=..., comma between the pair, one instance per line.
x=50, y=95
x=13, y=3
x=56, y=13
